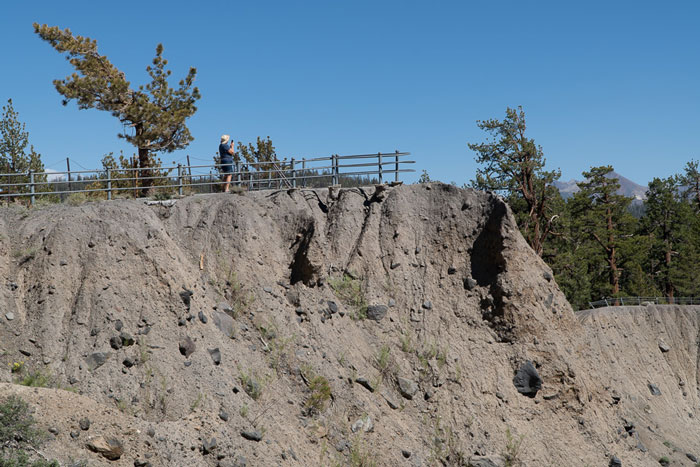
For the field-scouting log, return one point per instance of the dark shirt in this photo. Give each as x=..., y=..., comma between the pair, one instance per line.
x=223, y=152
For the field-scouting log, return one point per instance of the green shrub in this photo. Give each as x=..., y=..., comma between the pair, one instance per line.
x=251, y=386
x=319, y=394
x=512, y=450
x=17, y=434
x=36, y=379
x=351, y=292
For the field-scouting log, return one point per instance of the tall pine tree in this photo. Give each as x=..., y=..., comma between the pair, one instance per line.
x=155, y=112
x=600, y=218
x=513, y=165
x=14, y=158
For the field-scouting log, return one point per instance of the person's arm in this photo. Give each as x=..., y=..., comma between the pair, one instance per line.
x=230, y=149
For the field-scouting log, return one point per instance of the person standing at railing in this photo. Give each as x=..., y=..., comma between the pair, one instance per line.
x=226, y=153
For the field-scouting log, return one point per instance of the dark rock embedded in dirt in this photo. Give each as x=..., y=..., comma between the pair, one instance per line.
x=407, y=387
x=376, y=312
x=115, y=342
x=215, y=355
x=251, y=435
x=208, y=446
x=202, y=317
x=469, y=283
x=364, y=382
x=654, y=389
x=186, y=297
x=187, y=346
x=527, y=381
x=84, y=424
x=615, y=462
x=126, y=338
x=97, y=359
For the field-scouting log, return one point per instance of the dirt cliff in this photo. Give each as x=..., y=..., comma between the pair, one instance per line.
x=328, y=327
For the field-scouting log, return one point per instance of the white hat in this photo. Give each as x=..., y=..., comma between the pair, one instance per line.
x=225, y=138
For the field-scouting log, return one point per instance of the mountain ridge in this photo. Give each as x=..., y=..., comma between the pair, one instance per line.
x=627, y=187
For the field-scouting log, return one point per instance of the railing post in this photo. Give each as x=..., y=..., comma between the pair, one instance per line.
x=334, y=169
x=396, y=174
x=31, y=186
x=238, y=174
x=303, y=172
x=294, y=173
x=109, y=183
x=179, y=179
x=68, y=167
x=250, y=181
x=379, y=163
x=269, y=179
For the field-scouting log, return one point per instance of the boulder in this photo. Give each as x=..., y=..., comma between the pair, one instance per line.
x=97, y=359
x=109, y=448
x=376, y=312
x=407, y=387
x=187, y=346
x=527, y=381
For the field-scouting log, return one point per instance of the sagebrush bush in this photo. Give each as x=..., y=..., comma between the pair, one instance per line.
x=17, y=434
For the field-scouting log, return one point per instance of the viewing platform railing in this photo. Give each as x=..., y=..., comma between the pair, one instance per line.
x=641, y=301
x=351, y=170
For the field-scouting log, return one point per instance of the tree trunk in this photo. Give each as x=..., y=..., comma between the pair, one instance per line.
x=614, y=276
x=669, y=285
x=144, y=172
x=144, y=163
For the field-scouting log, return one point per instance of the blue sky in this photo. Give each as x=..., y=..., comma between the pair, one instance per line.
x=600, y=82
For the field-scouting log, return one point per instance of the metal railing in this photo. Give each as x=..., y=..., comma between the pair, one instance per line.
x=640, y=301
x=294, y=173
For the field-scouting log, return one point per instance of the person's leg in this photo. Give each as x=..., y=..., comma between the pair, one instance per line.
x=227, y=180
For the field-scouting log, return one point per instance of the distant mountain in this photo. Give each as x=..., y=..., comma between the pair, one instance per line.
x=627, y=187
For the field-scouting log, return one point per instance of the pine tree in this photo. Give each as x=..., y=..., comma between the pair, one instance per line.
x=600, y=217
x=155, y=112
x=262, y=153
x=514, y=166
x=14, y=158
x=664, y=223
x=690, y=182
x=673, y=230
